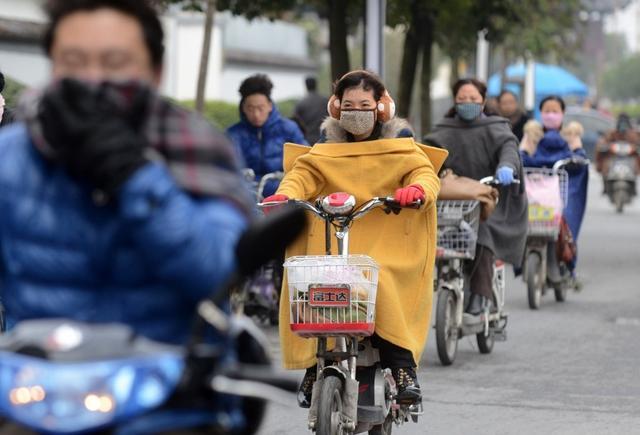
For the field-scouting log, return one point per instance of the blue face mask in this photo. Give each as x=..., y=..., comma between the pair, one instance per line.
x=468, y=111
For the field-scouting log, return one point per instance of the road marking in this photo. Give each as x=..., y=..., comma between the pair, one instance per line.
x=628, y=321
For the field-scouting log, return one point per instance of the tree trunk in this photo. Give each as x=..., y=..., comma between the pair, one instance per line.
x=455, y=65
x=425, y=78
x=204, y=57
x=412, y=44
x=338, y=38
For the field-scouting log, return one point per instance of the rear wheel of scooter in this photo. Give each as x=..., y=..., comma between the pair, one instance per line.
x=384, y=428
x=619, y=199
x=485, y=343
x=534, y=281
x=330, y=407
x=446, y=328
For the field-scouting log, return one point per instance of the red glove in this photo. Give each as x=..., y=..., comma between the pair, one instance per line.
x=274, y=198
x=410, y=194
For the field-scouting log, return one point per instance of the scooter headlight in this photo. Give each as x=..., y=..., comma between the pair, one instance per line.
x=74, y=397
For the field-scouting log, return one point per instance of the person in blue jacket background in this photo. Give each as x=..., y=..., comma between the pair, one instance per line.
x=115, y=205
x=261, y=133
x=543, y=146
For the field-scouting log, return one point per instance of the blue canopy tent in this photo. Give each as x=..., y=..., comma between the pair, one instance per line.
x=549, y=80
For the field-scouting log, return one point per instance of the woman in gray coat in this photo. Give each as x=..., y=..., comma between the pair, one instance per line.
x=482, y=145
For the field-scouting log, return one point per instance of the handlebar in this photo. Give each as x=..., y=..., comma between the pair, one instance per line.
x=389, y=202
x=580, y=161
x=278, y=175
x=493, y=181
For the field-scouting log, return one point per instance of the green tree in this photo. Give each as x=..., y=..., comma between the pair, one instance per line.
x=622, y=82
x=520, y=26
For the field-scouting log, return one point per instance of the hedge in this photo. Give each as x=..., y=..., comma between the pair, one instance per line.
x=223, y=114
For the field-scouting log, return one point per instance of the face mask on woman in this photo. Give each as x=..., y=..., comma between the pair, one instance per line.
x=552, y=120
x=468, y=111
x=357, y=122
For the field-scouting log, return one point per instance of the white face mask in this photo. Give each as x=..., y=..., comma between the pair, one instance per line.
x=357, y=122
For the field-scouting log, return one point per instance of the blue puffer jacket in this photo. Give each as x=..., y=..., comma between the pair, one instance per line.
x=261, y=148
x=145, y=262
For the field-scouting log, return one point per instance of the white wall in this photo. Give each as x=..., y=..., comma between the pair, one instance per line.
x=183, y=42
x=265, y=36
x=24, y=63
x=28, y=10
x=286, y=84
x=184, y=34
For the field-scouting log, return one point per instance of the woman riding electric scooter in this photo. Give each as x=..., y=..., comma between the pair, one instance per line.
x=367, y=152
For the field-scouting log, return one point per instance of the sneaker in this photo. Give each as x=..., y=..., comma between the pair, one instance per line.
x=306, y=387
x=407, y=385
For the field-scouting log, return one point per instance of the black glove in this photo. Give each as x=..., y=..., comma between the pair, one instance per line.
x=94, y=132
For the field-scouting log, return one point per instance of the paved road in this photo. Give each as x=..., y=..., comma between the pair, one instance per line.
x=569, y=368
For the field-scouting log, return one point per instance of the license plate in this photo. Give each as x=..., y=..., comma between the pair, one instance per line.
x=330, y=296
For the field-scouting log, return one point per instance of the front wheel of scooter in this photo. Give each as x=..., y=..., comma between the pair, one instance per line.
x=330, y=407
x=485, y=342
x=446, y=327
x=560, y=292
x=534, y=281
x=384, y=428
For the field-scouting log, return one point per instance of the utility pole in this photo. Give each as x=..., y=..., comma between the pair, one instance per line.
x=375, y=20
x=482, y=56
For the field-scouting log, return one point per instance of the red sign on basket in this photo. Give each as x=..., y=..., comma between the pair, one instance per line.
x=329, y=296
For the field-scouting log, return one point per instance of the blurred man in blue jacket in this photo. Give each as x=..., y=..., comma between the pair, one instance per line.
x=115, y=205
x=261, y=133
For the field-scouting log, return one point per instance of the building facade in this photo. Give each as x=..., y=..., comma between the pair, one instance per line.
x=239, y=48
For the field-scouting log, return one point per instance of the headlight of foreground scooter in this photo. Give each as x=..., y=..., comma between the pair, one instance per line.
x=70, y=397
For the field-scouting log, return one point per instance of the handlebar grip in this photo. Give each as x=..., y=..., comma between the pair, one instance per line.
x=390, y=201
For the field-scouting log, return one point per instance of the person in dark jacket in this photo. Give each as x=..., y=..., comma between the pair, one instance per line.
x=262, y=131
x=104, y=216
x=509, y=108
x=6, y=114
x=624, y=132
x=311, y=111
x=480, y=145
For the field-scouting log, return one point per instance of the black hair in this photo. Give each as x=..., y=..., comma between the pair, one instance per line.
x=1, y=82
x=141, y=10
x=256, y=84
x=505, y=92
x=553, y=98
x=311, y=84
x=623, y=119
x=481, y=87
x=365, y=79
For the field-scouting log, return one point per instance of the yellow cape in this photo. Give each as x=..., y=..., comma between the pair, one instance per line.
x=402, y=245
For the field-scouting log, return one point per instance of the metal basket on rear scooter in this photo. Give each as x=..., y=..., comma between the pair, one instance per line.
x=332, y=295
x=548, y=193
x=458, y=222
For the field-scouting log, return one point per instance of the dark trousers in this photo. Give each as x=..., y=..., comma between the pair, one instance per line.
x=392, y=356
x=480, y=272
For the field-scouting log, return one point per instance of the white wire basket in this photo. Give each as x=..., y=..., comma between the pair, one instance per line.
x=458, y=222
x=548, y=193
x=332, y=295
